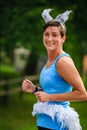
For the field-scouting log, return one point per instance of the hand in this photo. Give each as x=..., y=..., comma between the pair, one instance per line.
x=42, y=96
x=28, y=86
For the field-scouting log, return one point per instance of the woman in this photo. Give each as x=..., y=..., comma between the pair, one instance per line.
x=59, y=80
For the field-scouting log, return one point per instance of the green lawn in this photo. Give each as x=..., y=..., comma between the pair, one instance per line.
x=17, y=115
x=81, y=108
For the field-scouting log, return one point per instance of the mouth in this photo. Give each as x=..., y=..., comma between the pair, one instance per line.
x=51, y=44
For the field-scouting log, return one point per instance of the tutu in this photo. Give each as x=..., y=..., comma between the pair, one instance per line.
x=68, y=117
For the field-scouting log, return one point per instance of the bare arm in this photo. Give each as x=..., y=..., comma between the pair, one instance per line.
x=28, y=86
x=69, y=73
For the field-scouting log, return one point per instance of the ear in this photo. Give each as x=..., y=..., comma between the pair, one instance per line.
x=63, y=39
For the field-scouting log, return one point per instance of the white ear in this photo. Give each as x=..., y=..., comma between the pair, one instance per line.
x=46, y=16
x=62, y=18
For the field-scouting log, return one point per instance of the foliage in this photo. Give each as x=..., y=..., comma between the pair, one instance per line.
x=7, y=71
x=21, y=24
x=17, y=115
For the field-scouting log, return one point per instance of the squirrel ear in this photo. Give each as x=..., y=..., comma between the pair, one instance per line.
x=62, y=18
x=46, y=16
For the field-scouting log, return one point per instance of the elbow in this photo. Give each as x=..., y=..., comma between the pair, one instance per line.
x=84, y=96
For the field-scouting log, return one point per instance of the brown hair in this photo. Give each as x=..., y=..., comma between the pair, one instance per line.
x=57, y=24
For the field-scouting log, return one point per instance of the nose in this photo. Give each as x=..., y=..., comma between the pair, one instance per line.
x=49, y=38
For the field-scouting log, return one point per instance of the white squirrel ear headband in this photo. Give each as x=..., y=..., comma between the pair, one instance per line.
x=61, y=18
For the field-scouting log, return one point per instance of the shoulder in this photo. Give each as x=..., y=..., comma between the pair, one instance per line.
x=65, y=66
x=65, y=60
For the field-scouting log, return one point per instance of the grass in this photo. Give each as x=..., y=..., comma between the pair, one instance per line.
x=81, y=108
x=17, y=115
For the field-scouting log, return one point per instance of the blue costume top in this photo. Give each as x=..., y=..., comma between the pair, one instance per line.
x=52, y=83
x=48, y=113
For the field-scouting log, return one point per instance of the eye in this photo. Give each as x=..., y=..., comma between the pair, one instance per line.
x=54, y=34
x=46, y=34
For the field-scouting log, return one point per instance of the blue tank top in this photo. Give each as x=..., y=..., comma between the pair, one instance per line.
x=52, y=83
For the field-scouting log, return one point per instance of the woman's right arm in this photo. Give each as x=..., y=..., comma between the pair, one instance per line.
x=28, y=86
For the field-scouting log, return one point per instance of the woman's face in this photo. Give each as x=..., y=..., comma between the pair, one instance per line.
x=52, y=38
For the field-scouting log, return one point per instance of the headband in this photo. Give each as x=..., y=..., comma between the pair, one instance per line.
x=61, y=18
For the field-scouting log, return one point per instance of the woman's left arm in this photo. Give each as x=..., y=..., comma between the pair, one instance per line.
x=69, y=73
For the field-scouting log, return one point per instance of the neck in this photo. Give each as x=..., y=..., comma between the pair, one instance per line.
x=53, y=54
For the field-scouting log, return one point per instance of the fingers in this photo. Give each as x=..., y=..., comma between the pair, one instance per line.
x=26, y=83
x=27, y=86
x=40, y=96
x=37, y=94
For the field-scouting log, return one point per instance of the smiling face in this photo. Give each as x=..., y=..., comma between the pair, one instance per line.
x=52, y=38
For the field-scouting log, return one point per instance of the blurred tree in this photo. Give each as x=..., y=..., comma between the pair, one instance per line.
x=21, y=24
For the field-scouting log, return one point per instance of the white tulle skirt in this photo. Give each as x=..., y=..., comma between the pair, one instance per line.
x=68, y=117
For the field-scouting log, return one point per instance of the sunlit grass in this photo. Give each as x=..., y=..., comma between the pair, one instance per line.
x=17, y=115
x=81, y=108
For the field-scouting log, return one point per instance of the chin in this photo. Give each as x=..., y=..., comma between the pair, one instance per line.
x=51, y=49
